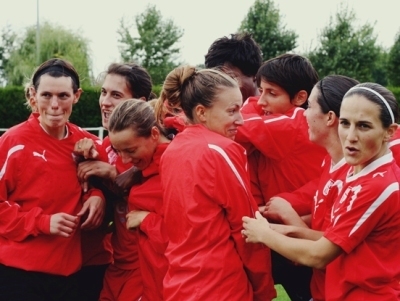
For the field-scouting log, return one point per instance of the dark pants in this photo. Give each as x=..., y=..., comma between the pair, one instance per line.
x=90, y=279
x=295, y=279
x=21, y=285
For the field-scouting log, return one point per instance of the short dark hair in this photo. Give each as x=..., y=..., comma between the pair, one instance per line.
x=331, y=89
x=239, y=50
x=291, y=72
x=56, y=68
x=137, y=78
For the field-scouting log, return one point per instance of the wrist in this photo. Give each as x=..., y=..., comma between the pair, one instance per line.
x=112, y=173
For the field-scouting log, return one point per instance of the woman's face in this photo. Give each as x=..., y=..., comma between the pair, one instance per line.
x=137, y=150
x=361, y=131
x=273, y=99
x=224, y=116
x=316, y=119
x=53, y=99
x=113, y=91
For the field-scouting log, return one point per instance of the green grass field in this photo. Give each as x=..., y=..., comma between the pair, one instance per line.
x=282, y=296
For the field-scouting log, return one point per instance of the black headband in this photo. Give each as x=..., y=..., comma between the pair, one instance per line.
x=56, y=68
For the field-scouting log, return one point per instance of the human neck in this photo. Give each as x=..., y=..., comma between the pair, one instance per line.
x=58, y=133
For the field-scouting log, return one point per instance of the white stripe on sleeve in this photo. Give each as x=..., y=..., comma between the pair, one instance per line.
x=394, y=142
x=383, y=197
x=10, y=152
x=230, y=163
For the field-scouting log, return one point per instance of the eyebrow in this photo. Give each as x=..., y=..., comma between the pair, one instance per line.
x=357, y=122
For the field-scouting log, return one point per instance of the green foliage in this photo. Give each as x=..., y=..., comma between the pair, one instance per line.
x=55, y=42
x=393, y=67
x=379, y=73
x=155, y=48
x=12, y=106
x=264, y=22
x=396, y=92
x=7, y=45
x=157, y=89
x=345, y=49
x=281, y=294
x=86, y=113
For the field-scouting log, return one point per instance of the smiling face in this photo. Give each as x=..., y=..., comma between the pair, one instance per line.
x=273, y=99
x=113, y=91
x=54, y=99
x=224, y=116
x=133, y=149
x=363, y=137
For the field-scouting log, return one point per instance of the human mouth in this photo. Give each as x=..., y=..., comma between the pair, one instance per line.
x=232, y=133
x=54, y=117
x=351, y=151
x=106, y=115
x=137, y=163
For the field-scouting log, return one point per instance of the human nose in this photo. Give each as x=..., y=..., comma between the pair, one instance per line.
x=104, y=100
x=239, y=119
x=351, y=134
x=54, y=102
x=261, y=100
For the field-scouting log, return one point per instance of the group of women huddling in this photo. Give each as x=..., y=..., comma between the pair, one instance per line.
x=189, y=192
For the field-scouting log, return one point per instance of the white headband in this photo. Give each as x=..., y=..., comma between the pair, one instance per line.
x=380, y=96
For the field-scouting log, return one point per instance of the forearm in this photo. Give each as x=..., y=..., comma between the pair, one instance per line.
x=17, y=225
x=302, y=251
x=290, y=217
x=304, y=233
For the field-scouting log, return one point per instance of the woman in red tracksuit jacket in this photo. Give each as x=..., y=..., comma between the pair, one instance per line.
x=359, y=246
x=206, y=190
x=122, y=279
x=40, y=195
x=139, y=140
x=316, y=197
x=281, y=157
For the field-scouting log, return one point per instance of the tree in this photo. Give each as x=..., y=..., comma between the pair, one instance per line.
x=7, y=46
x=55, y=42
x=345, y=49
x=264, y=22
x=155, y=48
x=393, y=66
x=380, y=73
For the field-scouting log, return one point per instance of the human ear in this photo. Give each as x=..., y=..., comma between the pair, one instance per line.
x=300, y=98
x=32, y=99
x=77, y=95
x=331, y=119
x=33, y=104
x=155, y=133
x=390, y=131
x=201, y=113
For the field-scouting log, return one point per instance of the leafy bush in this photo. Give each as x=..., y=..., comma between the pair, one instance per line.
x=86, y=113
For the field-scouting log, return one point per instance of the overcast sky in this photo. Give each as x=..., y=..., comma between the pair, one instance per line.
x=203, y=21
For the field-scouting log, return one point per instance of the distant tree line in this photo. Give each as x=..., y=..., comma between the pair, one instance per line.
x=150, y=40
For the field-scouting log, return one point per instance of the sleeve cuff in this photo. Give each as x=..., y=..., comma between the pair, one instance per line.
x=93, y=192
x=43, y=224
